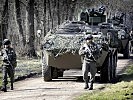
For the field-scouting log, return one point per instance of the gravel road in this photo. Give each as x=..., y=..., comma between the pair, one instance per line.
x=65, y=88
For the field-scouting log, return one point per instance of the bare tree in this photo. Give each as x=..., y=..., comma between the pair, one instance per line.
x=4, y=23
x=19, y=21
x=50, y=13
x=44, y=18
x=30, y=44
x=58, y=11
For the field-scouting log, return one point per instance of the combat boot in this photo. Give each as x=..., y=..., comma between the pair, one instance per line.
x=4, y=89
x=91, y=86
x=86, y=85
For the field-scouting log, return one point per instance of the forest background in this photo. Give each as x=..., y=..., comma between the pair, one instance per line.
x=20, y=20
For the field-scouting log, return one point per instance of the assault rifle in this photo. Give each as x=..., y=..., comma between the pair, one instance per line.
x=87, y=49
x=7, y=58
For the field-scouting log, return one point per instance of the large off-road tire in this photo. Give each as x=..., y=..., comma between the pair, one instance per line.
x=46, y=70
x=112, y=66
x=132, y=46
x=47, y=73
x=127, y=51
x=54, y=72
x=115, y=58
x=60, y=74
x=105, y=73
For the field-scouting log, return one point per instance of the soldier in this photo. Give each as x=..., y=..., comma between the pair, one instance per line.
x=89, y=52
x=92, y=12
x=9, y=64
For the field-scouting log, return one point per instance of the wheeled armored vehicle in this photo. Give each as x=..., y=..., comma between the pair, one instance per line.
x=60, y=51
x=124, y=38
x=115, y=24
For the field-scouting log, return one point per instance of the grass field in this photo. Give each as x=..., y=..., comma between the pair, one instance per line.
x=25, y=67
x=122, y=90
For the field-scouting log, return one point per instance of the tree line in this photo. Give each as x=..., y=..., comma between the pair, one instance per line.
x=20, y=20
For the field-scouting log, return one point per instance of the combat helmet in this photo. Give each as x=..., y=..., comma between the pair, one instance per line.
x=6, y=42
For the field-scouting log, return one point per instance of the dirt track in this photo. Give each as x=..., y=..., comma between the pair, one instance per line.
x=59, y=89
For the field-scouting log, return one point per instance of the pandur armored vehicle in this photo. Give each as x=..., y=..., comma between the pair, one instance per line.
x=94, y=17
x=124, y=38
x=60, y=51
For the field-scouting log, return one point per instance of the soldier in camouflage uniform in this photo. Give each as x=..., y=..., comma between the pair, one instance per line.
x=9, y=63
x=89, y=51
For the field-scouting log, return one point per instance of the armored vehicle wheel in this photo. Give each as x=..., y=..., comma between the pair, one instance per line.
x=46, y=70
x=126, y=52
x=111, y=66
x=54, y=72
x=132, y=46
x=106, y=71
x=60, y=74
x=47, y=73
x=115, y=65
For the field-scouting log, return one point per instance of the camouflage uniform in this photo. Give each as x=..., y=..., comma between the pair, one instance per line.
x=89, y=52
x=8, y=66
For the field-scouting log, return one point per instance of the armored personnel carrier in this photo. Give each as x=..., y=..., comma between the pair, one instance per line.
x=96, y=17
x=124, y=38
x=60, y=51
x=97, y=21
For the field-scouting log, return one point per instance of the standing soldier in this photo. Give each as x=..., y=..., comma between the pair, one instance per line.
x=9, y=64
x=89, y=51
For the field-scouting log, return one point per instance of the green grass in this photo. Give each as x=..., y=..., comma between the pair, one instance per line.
x=120, y=91
x=25, y=67
x=129, y=70
x=0, y=79
x=128, y=75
